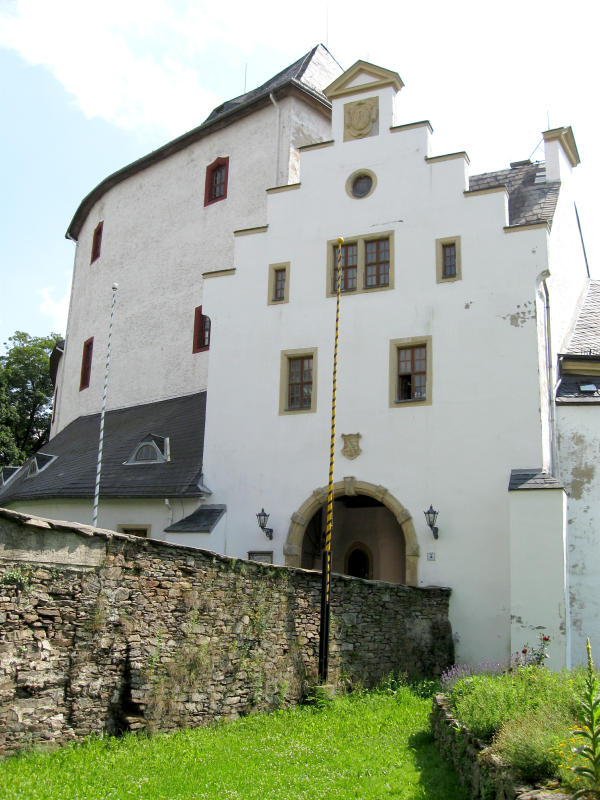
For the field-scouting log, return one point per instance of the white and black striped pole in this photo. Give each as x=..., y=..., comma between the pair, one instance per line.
x=115, y=286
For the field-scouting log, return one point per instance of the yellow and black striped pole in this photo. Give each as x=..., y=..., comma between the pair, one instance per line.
x=326, y=564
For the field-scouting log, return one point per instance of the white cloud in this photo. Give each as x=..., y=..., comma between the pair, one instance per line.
x=56, y=310
x=120, y=60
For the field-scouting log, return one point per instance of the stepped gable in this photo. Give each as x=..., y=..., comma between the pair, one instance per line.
x=531, y=199
x=72, y=473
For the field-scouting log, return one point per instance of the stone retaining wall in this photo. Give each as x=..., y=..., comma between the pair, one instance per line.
x=486, y=776
x=103, y=632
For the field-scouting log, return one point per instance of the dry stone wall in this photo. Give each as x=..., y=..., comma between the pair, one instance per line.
x=103, y=632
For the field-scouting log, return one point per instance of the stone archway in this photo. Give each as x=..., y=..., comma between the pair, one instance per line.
x=292, y=550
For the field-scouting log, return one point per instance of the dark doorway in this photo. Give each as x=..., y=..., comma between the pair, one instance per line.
x=359, y=563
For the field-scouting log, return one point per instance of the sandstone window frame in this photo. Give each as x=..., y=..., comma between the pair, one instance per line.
x=401, y=344
x=261, y=556
x=361, y=278
x=288, y=356
x=274, y=269
x=440, y=246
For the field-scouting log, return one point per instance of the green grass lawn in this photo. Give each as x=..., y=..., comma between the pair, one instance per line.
x=366, y=746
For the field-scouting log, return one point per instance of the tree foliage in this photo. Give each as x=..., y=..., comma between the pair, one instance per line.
x=25, y=396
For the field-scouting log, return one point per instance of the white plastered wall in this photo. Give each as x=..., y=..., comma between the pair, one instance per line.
x=151, y=512
x=538, y=572
x=158, y=238
x=456, y=453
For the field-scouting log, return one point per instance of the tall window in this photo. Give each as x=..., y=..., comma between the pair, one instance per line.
x=449, y=260
x=86, y=363
x=217, y=175
x=279, y=284
x=412, y=373
x=96, y=242
x=377, y=263
x=300, y=379
x=349, y=267
x=201, y=331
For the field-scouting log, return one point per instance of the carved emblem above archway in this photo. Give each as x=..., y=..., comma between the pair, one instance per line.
x=351, y=448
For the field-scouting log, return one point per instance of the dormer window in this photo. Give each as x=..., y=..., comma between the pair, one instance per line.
x=6, y=473
x=39, y=463
x=152, y=449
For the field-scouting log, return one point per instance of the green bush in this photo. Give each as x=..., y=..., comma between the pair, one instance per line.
x=485, y=702
x=530, y=744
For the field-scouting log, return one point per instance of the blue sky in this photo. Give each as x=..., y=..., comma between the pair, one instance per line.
x=86, y=89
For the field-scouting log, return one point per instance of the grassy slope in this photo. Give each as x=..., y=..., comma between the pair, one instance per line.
x=367, y=747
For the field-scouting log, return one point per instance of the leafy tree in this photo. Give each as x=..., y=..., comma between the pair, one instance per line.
x=25, y=396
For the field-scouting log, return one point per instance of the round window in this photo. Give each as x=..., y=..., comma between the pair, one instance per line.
x=362, y=185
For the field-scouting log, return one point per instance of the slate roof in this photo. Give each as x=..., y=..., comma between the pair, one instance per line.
x=530, y=198
x=73, y=472
x=202, y=520
x=584, y=338
x=309, y=75
x=532, y=479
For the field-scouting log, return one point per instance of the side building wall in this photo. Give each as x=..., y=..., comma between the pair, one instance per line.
x=103, y=632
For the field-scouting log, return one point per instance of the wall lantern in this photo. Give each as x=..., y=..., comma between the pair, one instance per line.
x=431, y=516
x=263, y=518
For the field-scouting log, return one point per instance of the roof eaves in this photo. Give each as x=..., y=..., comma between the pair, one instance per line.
x=210, y=125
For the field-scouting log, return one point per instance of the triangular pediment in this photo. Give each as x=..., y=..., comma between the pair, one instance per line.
x=363, y=77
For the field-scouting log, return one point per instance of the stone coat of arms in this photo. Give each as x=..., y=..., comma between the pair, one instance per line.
x=351, y=448
x=359, y=118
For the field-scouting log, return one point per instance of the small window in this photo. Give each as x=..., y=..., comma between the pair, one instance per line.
x=134, y=530
x=201, y=331
x=39, y=463
x=448, y=261
x=217, y=175
x=298, y=391
x=361, y=184
x=349, y=267
x=410, y=371
x=279, y=288
x=279, y=283
x=377, y=263
x=152, y=449
x=262, y=556
x=300, y=371
x=97, y=242
x=86, y=363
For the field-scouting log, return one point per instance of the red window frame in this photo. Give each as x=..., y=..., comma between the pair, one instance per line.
x=86, y=363
x=449, y=260
x=349, y=267
x=279, y=284
x=201, y=331
x=300, y=382
x=377, y=263
x=412, y=373
x=217, y=178
x=96, y=242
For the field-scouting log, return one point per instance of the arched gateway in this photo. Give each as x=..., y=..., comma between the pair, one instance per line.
x=356, y=502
